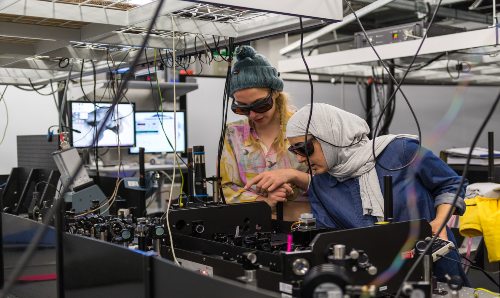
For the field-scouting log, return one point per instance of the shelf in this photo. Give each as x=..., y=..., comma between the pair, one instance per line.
x=167, y=88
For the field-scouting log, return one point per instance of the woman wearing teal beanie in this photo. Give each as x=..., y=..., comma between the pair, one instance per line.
x=258, y=143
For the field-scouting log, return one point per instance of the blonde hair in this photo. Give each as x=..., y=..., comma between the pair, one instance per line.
x=284, y=111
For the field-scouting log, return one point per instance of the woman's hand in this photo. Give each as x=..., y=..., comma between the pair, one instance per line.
x=435, y=224
x=442, y=212
x=271, y=180
x=279, y=195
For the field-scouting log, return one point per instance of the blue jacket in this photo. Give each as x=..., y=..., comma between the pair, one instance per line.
x=435, y=183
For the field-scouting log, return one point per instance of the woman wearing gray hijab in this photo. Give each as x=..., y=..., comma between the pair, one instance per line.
x=347, y=181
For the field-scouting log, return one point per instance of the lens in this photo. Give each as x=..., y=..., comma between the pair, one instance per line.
x=300, y=148
x=260, y=106
x=264, y=105
x=263, y=108
x=239, y=110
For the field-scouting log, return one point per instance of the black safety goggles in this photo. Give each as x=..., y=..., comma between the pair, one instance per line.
x=303, y=148
x=260, y=106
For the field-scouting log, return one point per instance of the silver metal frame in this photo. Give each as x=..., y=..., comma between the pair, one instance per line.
x=44, y=31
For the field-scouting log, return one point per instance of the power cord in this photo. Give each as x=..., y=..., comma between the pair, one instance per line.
x=159, y=103
x=48, y=184
x=309, y=168
x=398, y=86
x=473, y=267
x=225, y=109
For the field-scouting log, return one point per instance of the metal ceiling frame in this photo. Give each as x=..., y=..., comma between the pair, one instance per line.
x=332, y=27
x=322, y=9
x=350, y=61
x=102, y=26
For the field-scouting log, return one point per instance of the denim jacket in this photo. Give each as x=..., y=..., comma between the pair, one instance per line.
x=434, y=181
x=435, y=184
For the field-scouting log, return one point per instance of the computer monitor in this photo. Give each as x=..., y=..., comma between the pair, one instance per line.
x=119, y=129
x=151, y=136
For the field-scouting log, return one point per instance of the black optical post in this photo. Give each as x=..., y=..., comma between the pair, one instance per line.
x=491, y=157
x=190, y=176
x=200, y=176
x=388, y=201
x=142, y=183
x=279, y=211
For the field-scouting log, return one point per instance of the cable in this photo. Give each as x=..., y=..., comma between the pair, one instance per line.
x=48, y=184
x=54, y=94
x=108, y=202
x=111, y=200
x=174, y=147
x=309, y=168
x=81, y=83
x=6, y=115
x=486, y=291
x=473, y=267
x=160, y=106
x=424, y=64
x=336, y=146
x=63, y=100
x=398, y=86
x=225, y=109
x=36, y=90
x=26, y=256
x=167, y=218
x=32, y=89
x=455, y=199
x=62, y=60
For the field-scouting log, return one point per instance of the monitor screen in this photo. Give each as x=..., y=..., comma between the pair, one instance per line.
x=150, y=134
x=118, y=130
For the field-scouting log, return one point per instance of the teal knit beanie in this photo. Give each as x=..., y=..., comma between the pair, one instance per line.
x=252, y=70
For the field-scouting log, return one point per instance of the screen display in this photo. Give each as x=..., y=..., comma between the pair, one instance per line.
x=151, y=128
x=118, y=129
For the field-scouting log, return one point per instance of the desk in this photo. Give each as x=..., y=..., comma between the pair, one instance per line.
x=477, y=173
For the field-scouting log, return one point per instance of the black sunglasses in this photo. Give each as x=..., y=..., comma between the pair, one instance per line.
x=303, y=148
x=260, y=106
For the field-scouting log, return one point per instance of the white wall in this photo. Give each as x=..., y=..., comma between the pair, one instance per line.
x=430, y=103
x=28, y=114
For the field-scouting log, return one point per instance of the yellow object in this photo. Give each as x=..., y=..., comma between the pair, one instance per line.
x=486, y=291
x=482, y=217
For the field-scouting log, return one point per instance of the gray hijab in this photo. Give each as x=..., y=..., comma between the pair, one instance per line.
x=342, y=128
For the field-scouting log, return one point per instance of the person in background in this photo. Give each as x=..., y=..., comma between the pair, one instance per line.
x=257, y=143
x=345, y=190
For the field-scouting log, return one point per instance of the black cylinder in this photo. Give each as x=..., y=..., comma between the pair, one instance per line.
x=369, y=112
x=141, y=208
x=491, y=157
x=279, y=211
x=142, y=169
x=190, y=178
x=200, y=182
x=141, y=242
x=388, y=205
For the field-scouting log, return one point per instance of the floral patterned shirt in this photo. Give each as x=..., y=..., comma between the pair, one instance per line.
x=245, y=156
